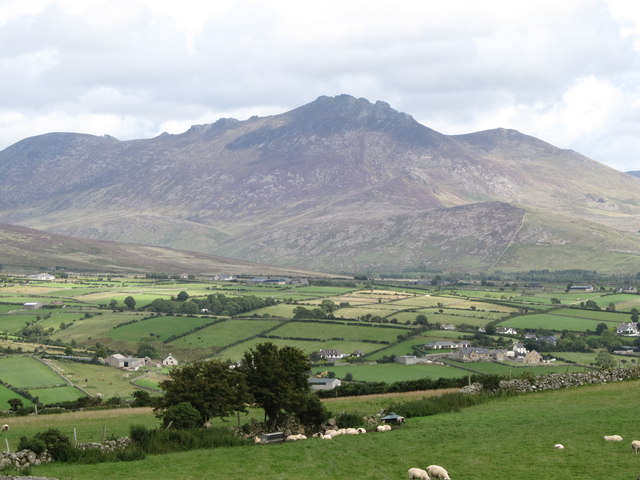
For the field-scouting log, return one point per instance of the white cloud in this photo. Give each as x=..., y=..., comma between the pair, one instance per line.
x=564, y=71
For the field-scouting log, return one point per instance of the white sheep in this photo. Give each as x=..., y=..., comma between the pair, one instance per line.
x=613, y=438
x=417, y=473
x=635, y=446
x=436, y=471
x=361, y=430
x=326, y=437
x=293, y=438
x=257, y=440
x=559, y=446
x=5, y=427
x=352, y=431
x=383, y=428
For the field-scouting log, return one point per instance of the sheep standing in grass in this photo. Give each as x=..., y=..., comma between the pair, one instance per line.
x=436, y=471
x=5, y=427
x=418, y=474
x=635, y=446
x=559, y=446
x=613, y=438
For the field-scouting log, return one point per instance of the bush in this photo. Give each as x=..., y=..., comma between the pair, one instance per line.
x=36, y=445
x=165, y=441
x=181, y=416
x=348, y=420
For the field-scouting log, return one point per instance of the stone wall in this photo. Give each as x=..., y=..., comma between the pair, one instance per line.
x=560, y=380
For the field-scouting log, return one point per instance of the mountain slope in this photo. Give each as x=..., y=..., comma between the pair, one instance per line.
x=340, y=184
x=25, y=247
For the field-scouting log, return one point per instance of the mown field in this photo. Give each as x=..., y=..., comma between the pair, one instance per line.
x=507, y=438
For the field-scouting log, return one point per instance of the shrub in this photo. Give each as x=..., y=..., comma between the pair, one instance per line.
x=165, y=441
x=181, y=416
x=36, y=445
x=348, y=420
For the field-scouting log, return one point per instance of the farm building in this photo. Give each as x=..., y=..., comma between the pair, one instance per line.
x=479, y=354
x=446, y=345
x=169, y=361
x=32, y=305
x=630, y=328
x=506, y=331
x=331, y=354
x=120, y=361
x=532, y=357
x=581, y=288
x=324, y=383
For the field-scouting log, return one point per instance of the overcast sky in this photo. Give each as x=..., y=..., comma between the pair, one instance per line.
x=565, y=71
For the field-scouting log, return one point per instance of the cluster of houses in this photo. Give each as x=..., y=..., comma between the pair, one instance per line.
x=118, y=360
x=333, y=354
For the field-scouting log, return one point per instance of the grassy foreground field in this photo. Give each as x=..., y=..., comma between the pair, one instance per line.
x=508, y=438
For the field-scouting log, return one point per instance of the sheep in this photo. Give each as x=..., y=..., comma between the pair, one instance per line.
x=383, y=428
x=361, y=430
x=326, y=437
x=635, y=446
x=613, y=438
x=417, y=473
x=5, y=427
x=293, y=438
x=559, y=446
x=257, y=440
x=436, y=471
x=352, y=431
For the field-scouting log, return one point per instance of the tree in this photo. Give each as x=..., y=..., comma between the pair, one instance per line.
x=605, y=360
x=182, y=296
x=635, y=315
x=555, y=301
x=141, y=398
x=422, y=320
x=68, y=351
x=601, y=327
x=130, y=302
x=211, y=387
x=591, y=305
x=147, y=349
x=277, y=379
x=113, y=304
x=15, y=404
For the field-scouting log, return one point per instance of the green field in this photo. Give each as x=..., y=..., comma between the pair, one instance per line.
x=27, y=372
x=6, y=395
x=471, y=444
x=161, y=327
x=51, y=395
x=327, y=331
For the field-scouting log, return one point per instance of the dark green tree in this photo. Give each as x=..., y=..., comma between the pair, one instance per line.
x=422, y=320
x=601, y=327
x=182, y=296
x=277, y=379
x=15, y=404
x=141, y=398
x=130, y=302
x=211, y=387
x=147, y=349
x=635, y=314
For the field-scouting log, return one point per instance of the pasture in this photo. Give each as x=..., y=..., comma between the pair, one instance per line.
x=394, y=372
x=28, y=373
x=511, y=437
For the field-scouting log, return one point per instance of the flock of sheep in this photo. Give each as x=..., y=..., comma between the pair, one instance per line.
x=635, y=444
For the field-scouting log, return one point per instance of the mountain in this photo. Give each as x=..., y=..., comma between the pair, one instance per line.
x=25, y=247
x=635, y=173
x=340, y=184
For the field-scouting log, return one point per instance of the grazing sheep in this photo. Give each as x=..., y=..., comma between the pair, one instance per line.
x=361, y=430
x=352, y=431
x=613, y=438
x=383, y=428
x=436, y=471
x=635, y=446
x=293, y=438
x=5, y=427
x=558, y=446
x=417, y=473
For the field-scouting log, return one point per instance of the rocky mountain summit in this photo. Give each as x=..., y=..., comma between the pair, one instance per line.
x=340, y=184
